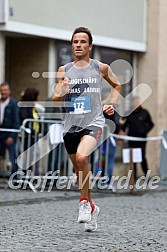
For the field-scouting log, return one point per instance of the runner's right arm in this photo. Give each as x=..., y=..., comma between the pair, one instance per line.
x=62, y=87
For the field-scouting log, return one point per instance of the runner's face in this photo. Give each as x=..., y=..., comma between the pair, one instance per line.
x=80, y=44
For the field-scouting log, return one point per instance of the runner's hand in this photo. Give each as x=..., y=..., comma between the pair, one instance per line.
x=65, y=85
x=108, y=109
x=62, y=88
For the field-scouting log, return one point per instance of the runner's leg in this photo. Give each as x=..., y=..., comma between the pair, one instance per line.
x=76, y=168
x=85, y=148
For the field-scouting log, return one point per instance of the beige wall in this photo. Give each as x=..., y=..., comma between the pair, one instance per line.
x=119, y=19
x=2, y=57
x=153, y=71
x=24, y=56
x=162, y=67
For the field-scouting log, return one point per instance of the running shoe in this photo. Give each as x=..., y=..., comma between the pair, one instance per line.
x=84, y=212
x=91, y=225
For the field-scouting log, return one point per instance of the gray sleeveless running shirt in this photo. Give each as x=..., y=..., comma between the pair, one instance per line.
x=83, y=102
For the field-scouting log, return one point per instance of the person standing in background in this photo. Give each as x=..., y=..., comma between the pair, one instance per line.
x=53, y=113
x=112, y=149
x=30, y=112
x=138, y=123
x=9, y=119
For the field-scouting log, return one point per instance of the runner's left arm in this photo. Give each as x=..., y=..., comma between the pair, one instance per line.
x=111, y=78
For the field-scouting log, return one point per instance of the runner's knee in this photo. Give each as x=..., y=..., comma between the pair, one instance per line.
x=81, y=160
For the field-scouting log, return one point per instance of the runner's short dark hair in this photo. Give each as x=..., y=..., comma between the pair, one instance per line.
x=85, y=30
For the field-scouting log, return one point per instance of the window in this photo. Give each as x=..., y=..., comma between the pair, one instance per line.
x=114, y=57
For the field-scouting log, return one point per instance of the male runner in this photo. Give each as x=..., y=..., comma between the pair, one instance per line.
x=79, y=83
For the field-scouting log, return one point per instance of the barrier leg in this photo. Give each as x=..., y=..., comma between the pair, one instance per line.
x=131, y=186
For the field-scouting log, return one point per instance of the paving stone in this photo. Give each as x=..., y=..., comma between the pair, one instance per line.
x=48, y=222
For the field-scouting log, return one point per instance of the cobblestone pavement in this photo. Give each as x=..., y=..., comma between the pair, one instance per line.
x=48, y=222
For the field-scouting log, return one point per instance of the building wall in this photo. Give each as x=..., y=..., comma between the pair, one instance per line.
x=152, y=70
x=25, y=56
x=2, y=57
x=162, y=67
x=118, y=19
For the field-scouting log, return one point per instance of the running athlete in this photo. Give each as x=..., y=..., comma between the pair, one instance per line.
x=79, y=83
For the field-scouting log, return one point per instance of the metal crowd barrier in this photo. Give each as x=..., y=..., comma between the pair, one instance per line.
x=43, y=147
x=36, y=150
x=42, y=156
x=37, y=154
x=163, y=158
x=5, y=165
x=163, y=149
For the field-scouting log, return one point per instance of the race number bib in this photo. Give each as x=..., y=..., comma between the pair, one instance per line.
x=80, y=105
